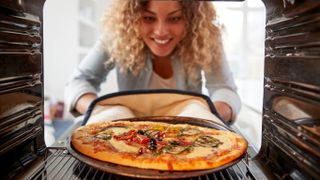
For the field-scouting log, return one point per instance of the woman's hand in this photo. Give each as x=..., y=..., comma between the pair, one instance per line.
x=224, y=110
x=84, y=101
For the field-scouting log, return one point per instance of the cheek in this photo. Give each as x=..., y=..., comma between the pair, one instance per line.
x=142, y=30
x=180, y=31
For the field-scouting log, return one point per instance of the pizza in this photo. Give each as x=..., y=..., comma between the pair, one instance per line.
x=158, y=145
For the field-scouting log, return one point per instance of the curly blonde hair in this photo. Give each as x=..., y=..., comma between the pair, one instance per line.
x=200, y=49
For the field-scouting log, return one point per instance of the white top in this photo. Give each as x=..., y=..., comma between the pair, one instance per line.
x=158, y=82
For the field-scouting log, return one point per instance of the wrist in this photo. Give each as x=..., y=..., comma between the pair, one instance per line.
x=224, y=111
x=84, y=101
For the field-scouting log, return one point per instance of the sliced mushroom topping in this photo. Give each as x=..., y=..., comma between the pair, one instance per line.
x=207, y=141
x=103, y=136
x=106, y=134
x=175, y=149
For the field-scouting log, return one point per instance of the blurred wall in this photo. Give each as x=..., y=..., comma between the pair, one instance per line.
x=70, y=29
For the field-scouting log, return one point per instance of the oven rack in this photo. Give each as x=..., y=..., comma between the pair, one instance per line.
x=59, y=164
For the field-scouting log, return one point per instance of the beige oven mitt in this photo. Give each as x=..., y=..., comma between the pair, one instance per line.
x=110, y=112
x=151, y=103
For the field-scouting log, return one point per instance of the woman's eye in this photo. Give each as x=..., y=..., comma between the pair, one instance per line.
x=148, y=19
x=175, y=19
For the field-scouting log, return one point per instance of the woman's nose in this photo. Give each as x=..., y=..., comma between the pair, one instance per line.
x=161, y=28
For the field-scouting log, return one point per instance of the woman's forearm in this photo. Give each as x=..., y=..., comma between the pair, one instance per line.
x=84, y=101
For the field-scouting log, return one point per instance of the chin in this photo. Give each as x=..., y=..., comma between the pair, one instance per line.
x=162, y=53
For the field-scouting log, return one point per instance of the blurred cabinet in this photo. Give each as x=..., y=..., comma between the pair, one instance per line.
x=88, y=23
x=70, y=30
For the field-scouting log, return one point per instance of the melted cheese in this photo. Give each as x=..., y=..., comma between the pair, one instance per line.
x=227, y=144
x=199, y=152
x=122, y=146
x=119, y=130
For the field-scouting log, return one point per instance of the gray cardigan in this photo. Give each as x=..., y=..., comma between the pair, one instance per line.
x=93, y=70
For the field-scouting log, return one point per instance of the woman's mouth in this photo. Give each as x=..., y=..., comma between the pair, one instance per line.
x=162, y=41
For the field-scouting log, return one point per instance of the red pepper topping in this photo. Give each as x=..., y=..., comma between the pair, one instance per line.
x=126, y=136
x=141, y=139
x=183, y=142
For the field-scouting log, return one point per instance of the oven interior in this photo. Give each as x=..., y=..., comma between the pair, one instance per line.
x=291, y=114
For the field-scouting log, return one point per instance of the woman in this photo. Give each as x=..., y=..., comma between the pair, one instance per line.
x=154, y=45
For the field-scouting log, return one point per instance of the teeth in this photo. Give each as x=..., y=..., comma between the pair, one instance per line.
x=161, y=41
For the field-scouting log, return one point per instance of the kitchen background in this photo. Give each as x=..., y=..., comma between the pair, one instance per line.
x=71, y=28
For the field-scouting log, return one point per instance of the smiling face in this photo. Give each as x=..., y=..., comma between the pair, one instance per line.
x=162, y=26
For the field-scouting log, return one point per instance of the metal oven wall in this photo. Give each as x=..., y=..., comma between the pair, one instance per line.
x=291, y=114
x=21, y=84
x=290, y=148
